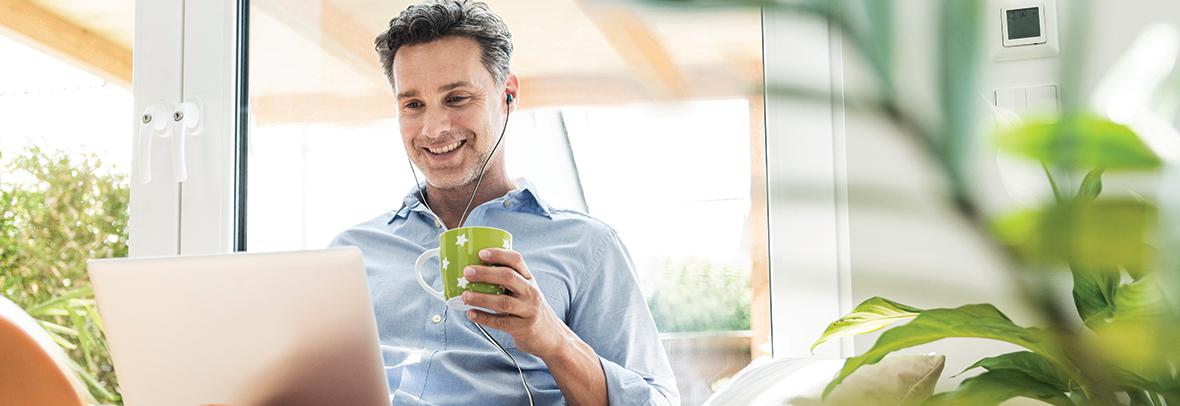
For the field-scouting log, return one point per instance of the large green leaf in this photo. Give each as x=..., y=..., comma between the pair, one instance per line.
x=1088, y=141
x=1143, y=299
x=994, y=387
x=1094, y=293
x=1027, y=362
x=1103, y=234
x=869, y=316
x=970, y=321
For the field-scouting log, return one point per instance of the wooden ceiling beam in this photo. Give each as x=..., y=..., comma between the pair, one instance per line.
x=337, y=34
x=52, y=34
x=638, y=45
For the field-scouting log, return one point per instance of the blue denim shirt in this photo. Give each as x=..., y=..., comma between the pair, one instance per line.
x=434, y=355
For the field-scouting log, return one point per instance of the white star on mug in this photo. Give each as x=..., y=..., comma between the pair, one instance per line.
x=462, y=282
x=461, y=240
x=507, y=245
x=446, y=263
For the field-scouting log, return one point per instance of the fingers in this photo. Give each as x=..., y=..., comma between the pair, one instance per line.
x=508, y=258
x=502, y=322
x=503, y=276
x=502, y=304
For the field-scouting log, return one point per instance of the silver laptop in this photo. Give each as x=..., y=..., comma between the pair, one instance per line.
x=242, y=329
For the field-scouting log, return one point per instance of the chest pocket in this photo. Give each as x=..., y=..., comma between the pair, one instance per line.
x=556, y=293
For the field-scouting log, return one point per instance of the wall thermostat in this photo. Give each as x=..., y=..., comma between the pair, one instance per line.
x=1023, y=26
x=1022, y=29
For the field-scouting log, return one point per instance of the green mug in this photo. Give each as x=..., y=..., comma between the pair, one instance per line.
x=458, y=248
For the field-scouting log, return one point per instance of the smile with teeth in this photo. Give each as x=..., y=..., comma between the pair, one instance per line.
x=446, y=148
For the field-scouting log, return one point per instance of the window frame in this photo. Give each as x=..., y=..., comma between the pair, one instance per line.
x=809, y=253
x=186, y=52
x=154, y=224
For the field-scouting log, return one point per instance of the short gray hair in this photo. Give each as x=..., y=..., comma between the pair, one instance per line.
x=435, y=19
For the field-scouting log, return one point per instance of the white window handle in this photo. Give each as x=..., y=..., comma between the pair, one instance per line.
x=188, y=120
x=153, y=123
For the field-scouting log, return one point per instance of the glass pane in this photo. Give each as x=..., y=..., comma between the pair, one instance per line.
x=640, y=117
x=65, y=157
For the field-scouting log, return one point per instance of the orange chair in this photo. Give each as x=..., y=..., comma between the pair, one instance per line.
x=33, y=369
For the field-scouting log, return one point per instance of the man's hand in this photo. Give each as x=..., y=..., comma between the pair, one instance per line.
x=522, y=311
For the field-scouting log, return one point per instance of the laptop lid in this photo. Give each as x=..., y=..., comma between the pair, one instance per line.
x=242, y=329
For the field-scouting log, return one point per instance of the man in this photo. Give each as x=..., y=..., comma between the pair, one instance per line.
x=574, y=317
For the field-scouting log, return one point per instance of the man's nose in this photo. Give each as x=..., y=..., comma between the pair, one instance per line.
x=437, y=123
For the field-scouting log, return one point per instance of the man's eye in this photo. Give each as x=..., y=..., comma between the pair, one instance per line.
x=413, y=105
x=457, y=99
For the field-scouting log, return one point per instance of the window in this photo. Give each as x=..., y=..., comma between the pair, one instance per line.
x=643, y=118
x=65, y=160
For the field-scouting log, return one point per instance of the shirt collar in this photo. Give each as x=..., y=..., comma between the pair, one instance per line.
x=524, y=198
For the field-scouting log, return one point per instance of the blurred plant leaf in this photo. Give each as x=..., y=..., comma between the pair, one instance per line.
x=1086, y=141
x=959, y=61
x=1094, y=293
x=59, y=302
x=57, y=328
x=1142, y=348
x=994, y=387
x=1140, y=336
x=1057, y=196
x=1029, y=363
x=1143, y=299
x=1091, y=186
x=96, y=387
x=970, y=321
x=1139, y=398
x=869, y=316
x=1103, y=234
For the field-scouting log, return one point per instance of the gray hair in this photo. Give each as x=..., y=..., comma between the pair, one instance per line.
x=435, y=19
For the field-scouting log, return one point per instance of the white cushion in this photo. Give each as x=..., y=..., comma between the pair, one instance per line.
x=896, y=380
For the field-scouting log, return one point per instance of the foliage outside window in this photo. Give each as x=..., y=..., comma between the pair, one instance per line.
x=56, y=212
x=697, y=295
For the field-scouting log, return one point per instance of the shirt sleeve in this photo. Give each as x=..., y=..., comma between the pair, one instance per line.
x=610, y=314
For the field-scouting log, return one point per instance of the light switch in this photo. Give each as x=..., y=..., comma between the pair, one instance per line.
x=1028, y=101
x=1012, y=99
x=1042, y=100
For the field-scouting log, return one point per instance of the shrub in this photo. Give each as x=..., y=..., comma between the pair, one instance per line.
x=696, y=295
x=57, y=211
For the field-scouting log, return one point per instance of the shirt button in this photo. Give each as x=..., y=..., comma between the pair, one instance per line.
x=436, y=319
x=507, y=203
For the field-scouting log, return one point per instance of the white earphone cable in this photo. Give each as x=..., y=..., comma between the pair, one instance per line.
x=463, y=219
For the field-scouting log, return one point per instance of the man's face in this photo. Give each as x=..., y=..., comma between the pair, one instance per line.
x=449, y=108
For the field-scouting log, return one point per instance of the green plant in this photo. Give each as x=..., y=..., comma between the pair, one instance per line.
x=696, y=295
x=1119, y=343
x=1127, y=342
x=56, y=212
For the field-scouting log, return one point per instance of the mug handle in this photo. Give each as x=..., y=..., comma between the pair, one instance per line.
x=433, y=252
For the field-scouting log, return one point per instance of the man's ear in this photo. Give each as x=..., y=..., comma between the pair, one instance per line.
x=512, y=91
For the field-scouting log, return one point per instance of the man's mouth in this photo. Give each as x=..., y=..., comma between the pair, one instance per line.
x=443, y=150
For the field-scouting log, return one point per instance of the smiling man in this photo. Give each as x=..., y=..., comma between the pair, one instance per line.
x=573, y=318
